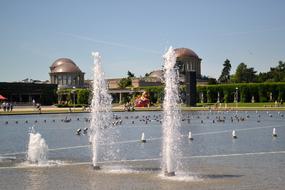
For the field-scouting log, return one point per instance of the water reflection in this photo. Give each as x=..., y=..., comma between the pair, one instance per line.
x=35, y=179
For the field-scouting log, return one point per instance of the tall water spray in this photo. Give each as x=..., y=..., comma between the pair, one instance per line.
x=37, y=149
x=171, y=115
x=100, y=108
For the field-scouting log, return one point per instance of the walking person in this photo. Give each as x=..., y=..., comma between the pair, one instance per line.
x=4, y=106
x=11, y=107
x=7, y=107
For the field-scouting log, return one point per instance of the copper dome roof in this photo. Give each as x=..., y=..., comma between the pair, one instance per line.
x=185, y=52
x=156, y=74
x=64, y=65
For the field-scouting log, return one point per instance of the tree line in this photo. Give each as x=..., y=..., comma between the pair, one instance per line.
x=245, y=74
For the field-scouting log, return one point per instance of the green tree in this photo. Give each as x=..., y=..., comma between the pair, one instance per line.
x=124, y=82
x=83, y=96
x=276, y=74
x=130, y=74
x=225, y=75
x=212, y=81
x=244, y=74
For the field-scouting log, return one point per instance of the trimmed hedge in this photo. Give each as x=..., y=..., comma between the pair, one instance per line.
x=260, y=91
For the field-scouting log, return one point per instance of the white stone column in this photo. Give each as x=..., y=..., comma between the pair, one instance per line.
x=120, y=99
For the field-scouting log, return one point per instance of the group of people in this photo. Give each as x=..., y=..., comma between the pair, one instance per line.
x=7, y=106
x=129, y=107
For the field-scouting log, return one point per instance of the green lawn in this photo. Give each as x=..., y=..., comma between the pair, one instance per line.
x=259, y=104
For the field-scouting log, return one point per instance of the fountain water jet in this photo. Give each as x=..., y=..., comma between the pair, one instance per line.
x=171, y=115
x=100, y=108
x=37, y=149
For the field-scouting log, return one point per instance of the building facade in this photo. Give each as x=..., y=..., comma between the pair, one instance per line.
x=66, y=74
x=23, y=93
x=187, y=60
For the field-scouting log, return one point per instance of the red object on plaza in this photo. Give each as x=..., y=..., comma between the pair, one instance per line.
x=2, y=97
x=142, y=101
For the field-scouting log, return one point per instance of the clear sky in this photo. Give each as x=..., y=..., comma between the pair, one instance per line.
x=133, y=34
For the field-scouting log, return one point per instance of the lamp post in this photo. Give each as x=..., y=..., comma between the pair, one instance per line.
x=218, y=99
x=252, y=99
x=58, y=96
x=73, y=92
x=270, y=97
x=236, y=96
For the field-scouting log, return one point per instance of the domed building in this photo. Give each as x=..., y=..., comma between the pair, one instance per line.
x=156, y=74
x=189, y=65
x=187, y=60
x=66, y=74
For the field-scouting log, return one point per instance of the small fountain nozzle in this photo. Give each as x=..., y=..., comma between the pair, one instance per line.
x=169, y=174
x=143, y=140
x=234, y=134
x=96, y=167
x=190, y=136
x=274, y=133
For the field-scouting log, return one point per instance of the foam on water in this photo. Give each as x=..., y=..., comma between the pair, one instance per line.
x=125, y=169
x=49, y=163
x=183, y=177
x=37, y=149
x=118, y=170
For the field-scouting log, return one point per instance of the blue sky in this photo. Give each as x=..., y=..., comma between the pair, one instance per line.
x=134, y=34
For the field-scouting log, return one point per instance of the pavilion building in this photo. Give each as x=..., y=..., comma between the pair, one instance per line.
x=66, y=74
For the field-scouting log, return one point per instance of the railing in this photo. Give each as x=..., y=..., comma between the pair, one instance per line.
x=23, y=103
